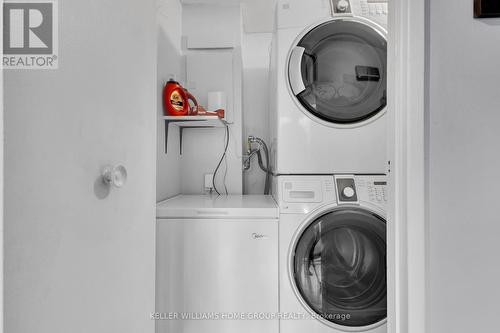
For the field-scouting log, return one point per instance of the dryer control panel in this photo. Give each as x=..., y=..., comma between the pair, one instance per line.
x=364, y=8
x=375, y=10
x=302, y=13
x=373, y=7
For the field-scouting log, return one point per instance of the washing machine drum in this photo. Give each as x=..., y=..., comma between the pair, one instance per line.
x=339, y=267
x=338, y=71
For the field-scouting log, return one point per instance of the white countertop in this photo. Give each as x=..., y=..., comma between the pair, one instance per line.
x=220, y=207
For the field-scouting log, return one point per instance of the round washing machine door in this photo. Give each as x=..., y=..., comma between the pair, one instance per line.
x=339, y=268
x=338, y=71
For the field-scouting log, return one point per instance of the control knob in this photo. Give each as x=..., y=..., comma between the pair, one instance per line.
x=342, y=6
x=348, y=192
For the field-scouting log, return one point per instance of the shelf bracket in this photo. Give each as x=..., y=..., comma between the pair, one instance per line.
x=181, y=130
x=181, y=133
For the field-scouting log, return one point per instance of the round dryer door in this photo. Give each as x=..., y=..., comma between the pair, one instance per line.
x=339, y=267
x=338, y=71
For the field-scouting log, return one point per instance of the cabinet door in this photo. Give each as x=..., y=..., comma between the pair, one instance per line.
x=79, y=255
x=217, y=268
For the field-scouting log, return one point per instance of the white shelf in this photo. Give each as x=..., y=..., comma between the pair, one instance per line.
x=186, y=122
x=195, y=121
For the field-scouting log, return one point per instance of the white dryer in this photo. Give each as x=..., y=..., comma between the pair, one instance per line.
x=329, y=78
x=332, y=246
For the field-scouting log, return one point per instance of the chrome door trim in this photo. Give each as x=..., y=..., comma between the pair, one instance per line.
x=295, y=70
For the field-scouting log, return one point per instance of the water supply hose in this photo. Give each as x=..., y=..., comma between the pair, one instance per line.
x=266, y=168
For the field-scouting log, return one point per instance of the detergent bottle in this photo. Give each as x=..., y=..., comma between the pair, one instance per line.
x=176, y=99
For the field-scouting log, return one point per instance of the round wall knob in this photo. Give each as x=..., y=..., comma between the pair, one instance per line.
x=116, y=176
x=342, y=5
x=348, y=192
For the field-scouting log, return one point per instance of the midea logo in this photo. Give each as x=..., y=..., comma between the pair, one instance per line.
x=30, y=34
x=259, y=236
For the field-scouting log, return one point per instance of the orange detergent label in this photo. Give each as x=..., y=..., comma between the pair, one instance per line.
x=176, y=101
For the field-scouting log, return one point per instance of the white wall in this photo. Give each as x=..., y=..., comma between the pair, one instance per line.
x=258, y=15
x=211, y=35
x=211, y=26
x=212, y=31
x=463, y=166
x=171, y=64
x=256, y=94
x=214, y=70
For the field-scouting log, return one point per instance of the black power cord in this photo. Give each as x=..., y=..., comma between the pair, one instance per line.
x=220, y=162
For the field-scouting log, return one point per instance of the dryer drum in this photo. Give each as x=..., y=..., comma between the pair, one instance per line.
x=343, y=71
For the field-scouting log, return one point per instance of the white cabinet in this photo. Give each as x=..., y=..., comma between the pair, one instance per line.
x=219, y=264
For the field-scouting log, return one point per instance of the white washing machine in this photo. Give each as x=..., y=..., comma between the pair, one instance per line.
x=332, y=252
x=329, y=78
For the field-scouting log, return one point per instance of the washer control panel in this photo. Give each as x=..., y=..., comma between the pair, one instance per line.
x=377, y=192
x=303, y=194
x=372, y=189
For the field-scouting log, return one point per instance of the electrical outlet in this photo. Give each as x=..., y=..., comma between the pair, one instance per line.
x=209, y=185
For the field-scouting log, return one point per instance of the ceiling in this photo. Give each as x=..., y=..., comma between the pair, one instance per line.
x=258, y=15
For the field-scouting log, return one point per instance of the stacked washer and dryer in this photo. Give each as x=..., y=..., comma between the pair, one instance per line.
x=329, y=159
